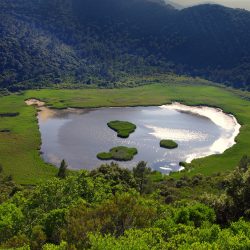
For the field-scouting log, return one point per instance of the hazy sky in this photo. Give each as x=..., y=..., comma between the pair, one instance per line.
x=231, y=3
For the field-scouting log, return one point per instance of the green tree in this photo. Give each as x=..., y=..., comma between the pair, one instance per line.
x=63, y=246
x=244, y=162
x=38, y=237
x=62, y=170
x=141, y=174
x=112, y=216
x=117, y=176
x=54, y=221
x=11, y=219
x=193, y=214
x=133, y=239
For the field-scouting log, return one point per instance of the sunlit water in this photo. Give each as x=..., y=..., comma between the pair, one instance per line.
x=78, y=135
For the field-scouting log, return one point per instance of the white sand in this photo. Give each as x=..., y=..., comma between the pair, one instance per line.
x=35, y=102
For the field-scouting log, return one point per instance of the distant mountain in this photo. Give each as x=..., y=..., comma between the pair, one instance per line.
x=174, y=4
x=44, y=41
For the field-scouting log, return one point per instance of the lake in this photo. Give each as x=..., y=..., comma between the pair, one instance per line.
x=78, y=135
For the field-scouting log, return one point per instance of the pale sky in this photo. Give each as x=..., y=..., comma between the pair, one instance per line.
x=231, y=3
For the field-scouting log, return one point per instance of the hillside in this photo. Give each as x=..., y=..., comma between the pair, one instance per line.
x=100, y=41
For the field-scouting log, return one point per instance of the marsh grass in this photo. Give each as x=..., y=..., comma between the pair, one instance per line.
x=169, y=144
x=120, y=153
x=123, y=128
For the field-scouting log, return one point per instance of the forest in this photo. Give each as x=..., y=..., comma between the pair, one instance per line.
x=100, y=42
x=116, y=208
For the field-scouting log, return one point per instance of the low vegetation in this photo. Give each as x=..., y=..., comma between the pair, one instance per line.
x=19, y=149
x=4, y=131
x=9, y=114
x=123, y=128
x=119, y=154
x=169, y=144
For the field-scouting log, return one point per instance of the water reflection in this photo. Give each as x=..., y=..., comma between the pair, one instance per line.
x=78, y=135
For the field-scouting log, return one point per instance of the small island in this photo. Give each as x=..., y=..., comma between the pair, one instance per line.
x=120, y=153
x=123, y=128
x=169, y=144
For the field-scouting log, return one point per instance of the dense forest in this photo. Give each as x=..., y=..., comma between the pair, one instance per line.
x=116, y=208
x=101, y=41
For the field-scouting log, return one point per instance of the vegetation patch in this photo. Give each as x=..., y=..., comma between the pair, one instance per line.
x=123, y=128
x=4, y=130
x=104, y=156
x=168, y=144
x=120, y=153
x=9, y=114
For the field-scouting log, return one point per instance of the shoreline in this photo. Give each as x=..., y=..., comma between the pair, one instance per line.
x=226, y=121
x=216, y=115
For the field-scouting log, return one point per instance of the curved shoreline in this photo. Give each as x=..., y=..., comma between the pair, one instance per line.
x=220, y=118
x=216, y=115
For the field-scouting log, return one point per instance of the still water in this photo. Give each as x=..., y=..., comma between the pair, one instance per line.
x=78, y=135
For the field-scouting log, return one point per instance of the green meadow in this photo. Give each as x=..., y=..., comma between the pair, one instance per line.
x=20, y=139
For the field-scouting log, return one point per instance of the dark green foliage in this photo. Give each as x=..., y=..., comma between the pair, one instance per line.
x=100, y=41
x=113, y=216
x=238, y=189
x=38, y=237
x=195, y=214
x=118, y=177
x=120, y=153
x=169, y=144
x=9, y=114
x=53, y=223
x=5, y=131
x=11, y=221
x=7, y=186
x=62, y=170
x=244, y=163
x=142, y=176
x=123, y=129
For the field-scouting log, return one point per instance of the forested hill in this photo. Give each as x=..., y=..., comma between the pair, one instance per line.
x=85, y=41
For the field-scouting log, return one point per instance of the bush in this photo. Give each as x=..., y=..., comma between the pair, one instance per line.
x=195, y=214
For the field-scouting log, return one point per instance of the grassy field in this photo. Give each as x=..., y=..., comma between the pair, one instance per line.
x=19, y=153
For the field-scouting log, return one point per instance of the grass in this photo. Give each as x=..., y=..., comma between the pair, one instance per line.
x=119, y=154
x=19, y=153
x=169, y=144
x=19, y=149
x=123, y=128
